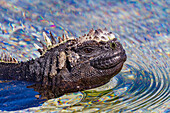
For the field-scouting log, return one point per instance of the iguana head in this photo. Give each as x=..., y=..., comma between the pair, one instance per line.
x=92, y=60
x=85, y=62
x=96, y=57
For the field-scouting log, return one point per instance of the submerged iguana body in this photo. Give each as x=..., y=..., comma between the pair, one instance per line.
x=70, y=65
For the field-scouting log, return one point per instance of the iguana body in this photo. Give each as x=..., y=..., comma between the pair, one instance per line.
x=70, y=65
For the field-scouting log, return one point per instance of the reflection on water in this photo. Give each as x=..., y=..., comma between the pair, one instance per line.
x=142, y=28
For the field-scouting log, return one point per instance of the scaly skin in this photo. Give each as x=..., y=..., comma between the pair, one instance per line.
x=70, y=66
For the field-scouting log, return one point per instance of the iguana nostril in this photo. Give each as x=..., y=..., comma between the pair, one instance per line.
x=113, y=45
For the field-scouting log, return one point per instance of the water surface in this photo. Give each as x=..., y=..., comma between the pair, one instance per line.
x=141, y=26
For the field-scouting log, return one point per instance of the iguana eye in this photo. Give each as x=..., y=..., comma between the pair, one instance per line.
x=87, y=50
x=113, y=45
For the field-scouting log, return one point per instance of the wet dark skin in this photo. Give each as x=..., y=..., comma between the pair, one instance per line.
x=86, y=65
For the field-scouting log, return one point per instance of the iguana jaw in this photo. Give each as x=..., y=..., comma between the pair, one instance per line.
x=110, y=72
x=110, y=59
x=108, y=62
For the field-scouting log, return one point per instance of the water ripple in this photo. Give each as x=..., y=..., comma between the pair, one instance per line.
x=141, y=26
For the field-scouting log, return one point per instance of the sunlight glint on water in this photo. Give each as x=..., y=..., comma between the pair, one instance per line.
x=141, y=26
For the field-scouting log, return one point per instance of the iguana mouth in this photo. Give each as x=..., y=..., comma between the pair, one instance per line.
x=109, y=60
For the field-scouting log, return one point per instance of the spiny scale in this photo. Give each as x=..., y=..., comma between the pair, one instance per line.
x=51, y=43
x=97, y=35
x=47, y=39
x=7, y=58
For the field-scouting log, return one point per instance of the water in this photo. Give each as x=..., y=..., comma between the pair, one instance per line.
x=141, y=26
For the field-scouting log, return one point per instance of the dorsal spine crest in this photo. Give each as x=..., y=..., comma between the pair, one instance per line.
x=51, y=43
x=97, y=35
x=7, y=58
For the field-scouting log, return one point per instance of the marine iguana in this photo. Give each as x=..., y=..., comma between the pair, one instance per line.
x=70, y=65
